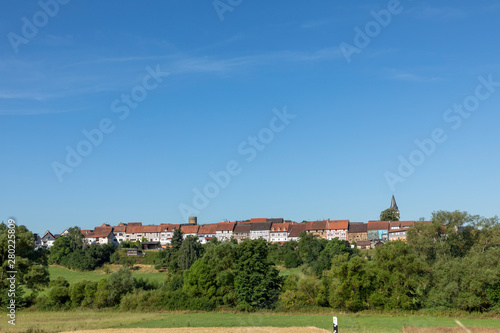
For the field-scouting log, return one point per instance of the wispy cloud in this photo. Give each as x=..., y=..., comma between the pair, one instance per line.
x=314, y=24
x=44, y=81
x=437, y=13
x=38, y=86
x=207, y=64
x=31, y=112
x=412, y=77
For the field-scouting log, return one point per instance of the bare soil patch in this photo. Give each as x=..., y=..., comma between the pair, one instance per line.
x=211, y=330
x=448, y=330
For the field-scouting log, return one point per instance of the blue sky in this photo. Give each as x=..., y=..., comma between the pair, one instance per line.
x=353, y=121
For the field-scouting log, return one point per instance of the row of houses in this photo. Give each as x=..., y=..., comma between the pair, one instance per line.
x=275, y=230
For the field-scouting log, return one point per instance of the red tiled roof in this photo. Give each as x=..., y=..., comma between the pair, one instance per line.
x=207, y=229
x=280, y=227
x=261, y=226
x=296, y=229
x=395, y=224
x=357, y=227
x=120, y=228
x=242, y=228
x=317, y=225
x=143, y=229
x=98, y=232
x=363, y=243
x=338, y=224
x=378, y=225
x=257, y=220
x=190, y=229
x=168, y=227
x=134, y=224
x=406, y=224
x=397, y=230
x=225, y=226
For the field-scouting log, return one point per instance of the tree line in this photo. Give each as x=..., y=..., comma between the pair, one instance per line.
x=451, y=264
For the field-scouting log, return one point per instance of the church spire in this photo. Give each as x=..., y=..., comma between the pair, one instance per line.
x=393, y=204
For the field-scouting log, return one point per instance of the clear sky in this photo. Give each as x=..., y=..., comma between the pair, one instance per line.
x=311, y=109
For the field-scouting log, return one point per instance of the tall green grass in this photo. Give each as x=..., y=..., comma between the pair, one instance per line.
x=78, y=320
x=74, y=276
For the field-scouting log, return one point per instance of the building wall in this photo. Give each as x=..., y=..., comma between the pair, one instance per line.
x=340, y=234
x=373, y=235
x=256, y=234
x=401, y=235
x=241, y=236
x=351, y=237
x=224, y=235
x=278, y=236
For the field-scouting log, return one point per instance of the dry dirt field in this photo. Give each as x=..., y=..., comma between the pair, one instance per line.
x=276, y=330
x=211, y=330
x=449, y=330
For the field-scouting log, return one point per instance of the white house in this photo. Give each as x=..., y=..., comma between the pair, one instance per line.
x=189, y=230
x=100, y=235
x=224, y=231
x=47, y=239
x=260, y=230
x=279, y=232
x=337, y=229
x=167, y=231
x=206, y=232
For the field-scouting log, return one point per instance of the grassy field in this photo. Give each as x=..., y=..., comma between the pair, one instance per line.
x=83, y=320
x=78, y=320
x=143, y=271
x=288, y=271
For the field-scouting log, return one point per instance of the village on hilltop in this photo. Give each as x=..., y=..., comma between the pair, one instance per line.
x=274, y=230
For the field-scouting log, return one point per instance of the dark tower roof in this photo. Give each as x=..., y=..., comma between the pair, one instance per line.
x=393, y=204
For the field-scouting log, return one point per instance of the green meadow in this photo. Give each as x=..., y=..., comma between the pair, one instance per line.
x=77, y=320
x=73, y=276
x=56, y=321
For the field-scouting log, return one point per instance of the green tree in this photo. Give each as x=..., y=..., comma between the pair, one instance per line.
x=212, y=276
x=257, y=282
x=177, y=239
x=299, y=292
x=487, y=231
x=351, y=283
x=109, y=292
x=425, y=239
x=390, y=214
x=333, y=247
x=466, y=283
x=64, y=245
x=292, y=259
x=77, y=293
x=400, y=277
x=189, y=252
x=310, y=247
x=31, y=265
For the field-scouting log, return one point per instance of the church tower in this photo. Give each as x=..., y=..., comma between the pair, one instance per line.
x=393, y=204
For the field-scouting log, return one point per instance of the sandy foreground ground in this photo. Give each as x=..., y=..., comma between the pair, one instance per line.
x=211, y=330
x=449, y=330
x=274, y=330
